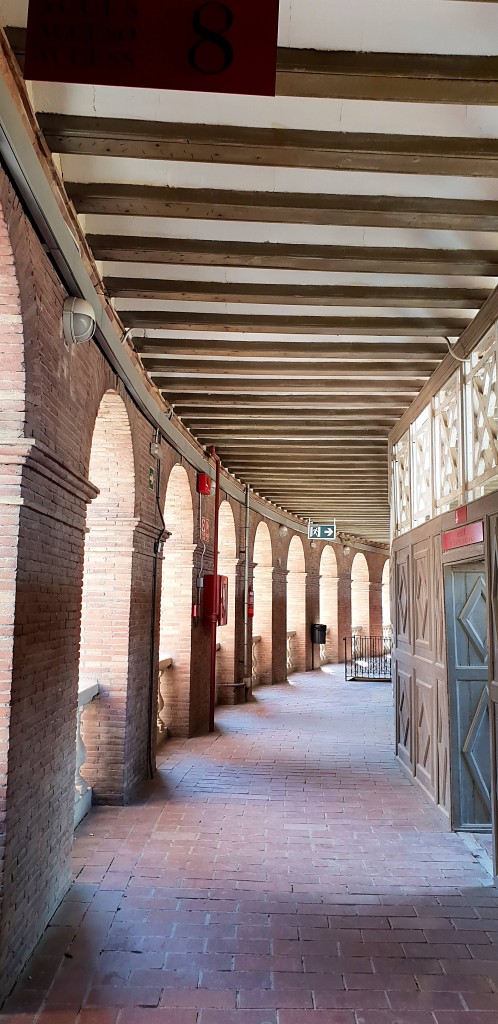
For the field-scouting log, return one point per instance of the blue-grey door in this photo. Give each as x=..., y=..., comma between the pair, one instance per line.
x=466, y=620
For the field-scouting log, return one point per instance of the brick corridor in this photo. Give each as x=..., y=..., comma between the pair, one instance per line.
x=284, y=871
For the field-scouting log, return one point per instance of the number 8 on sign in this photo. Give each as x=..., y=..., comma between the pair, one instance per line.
x=212, y=42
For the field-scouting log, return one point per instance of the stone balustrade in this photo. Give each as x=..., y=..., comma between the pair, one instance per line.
x=82, y=791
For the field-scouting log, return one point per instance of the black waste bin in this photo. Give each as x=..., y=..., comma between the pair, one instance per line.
x=318, y=633
x=318, y=636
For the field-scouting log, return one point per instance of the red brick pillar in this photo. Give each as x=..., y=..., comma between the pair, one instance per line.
x=312, y=614
x=343, y=604
x=44, y=504
x=279, y=625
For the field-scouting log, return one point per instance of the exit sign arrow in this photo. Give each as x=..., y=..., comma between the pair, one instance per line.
x=322, y=531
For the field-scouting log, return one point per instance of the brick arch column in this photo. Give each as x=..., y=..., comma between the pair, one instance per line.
x=296, y=602
x=360, y=595
x=106, y=601
x=175, y=635
x=227, y=566
x=376, y=566
x=43, y=502
x=262, y=623
x=329, y=587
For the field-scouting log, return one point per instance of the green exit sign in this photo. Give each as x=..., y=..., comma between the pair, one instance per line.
x=322, y=531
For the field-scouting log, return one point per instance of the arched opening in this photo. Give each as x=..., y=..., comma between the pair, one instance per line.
x=328, y=604
x=106, y=600
x=296, y=607
x=360, y=595
x=262, y=623
x=227, y=566
x=175, y=629
x=386, y=600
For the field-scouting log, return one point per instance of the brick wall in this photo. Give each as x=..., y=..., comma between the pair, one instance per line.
x=328, y=602
x=296, y=603
x=360, y=595
x=262, y=623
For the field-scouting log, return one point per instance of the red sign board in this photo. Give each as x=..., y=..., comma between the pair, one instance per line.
x=215, y=46
x=461, y=515
x=205, y=530
x=471, y=534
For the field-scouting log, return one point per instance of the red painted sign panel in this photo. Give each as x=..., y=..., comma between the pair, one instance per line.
x=461, y=515
x=215, y=46
x=473, y=533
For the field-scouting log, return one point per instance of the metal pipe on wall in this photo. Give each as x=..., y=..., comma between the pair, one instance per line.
x=214, y=617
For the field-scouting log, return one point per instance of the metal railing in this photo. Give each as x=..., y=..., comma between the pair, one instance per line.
x=367, y=657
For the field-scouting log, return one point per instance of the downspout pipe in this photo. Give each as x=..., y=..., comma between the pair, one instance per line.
x=247, y=672
x=214, y=617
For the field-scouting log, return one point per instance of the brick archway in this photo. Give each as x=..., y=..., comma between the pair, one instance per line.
x=227, y=566
x=329, y=583
x=360, y=595
x=296, y=605
x=106, y=599
x=262, y=623
x=175, y=632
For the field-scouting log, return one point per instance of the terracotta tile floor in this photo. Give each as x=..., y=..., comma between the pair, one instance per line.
x=284, y=871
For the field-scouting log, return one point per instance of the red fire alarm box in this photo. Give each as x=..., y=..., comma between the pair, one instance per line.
x=216, y=599
x=204, y=484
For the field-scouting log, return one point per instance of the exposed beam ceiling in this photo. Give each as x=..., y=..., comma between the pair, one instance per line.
x=290, y=268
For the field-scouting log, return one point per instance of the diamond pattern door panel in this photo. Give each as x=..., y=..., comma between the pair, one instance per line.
x=469, y=694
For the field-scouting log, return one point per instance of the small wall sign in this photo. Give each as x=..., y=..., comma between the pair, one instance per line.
x=461, y=515
x=205, y=530
x=151, y=478
x=473, y=533
x=198, y=45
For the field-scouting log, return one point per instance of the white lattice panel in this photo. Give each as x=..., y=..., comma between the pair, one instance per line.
x=481, y=416
x=447, y=445
x=422, y=468
x=401, y=467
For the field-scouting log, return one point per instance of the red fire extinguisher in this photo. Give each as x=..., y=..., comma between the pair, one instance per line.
x=250, y=601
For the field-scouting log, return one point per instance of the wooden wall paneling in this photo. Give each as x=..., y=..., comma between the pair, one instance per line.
x=424, y=728
x=404, y=715
x=403, y=601
x=422, y=604
x=442, y=755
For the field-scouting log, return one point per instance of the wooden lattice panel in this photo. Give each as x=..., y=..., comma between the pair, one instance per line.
x=401, y=460
x=481, y=416
x=422, y=468
x=447, y=445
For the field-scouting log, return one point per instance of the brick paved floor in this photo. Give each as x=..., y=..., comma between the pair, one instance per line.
x=284, y=871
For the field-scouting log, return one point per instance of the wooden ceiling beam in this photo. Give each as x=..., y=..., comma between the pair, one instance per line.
x=246, y=370
x=287, y=256
x=405, y=77
x=83, y=135
x=198, y=385
x=430, y=350
x=253, y=323
x=344, y=74
x=135, y=200
x=351, y=404
x=292, y=295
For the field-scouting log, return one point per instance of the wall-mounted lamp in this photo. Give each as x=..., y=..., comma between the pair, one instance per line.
x=78, y=321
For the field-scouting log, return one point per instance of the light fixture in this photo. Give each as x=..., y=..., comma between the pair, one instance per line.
x=78, y=320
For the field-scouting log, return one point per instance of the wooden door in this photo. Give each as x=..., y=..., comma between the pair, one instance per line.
x=466, y=620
